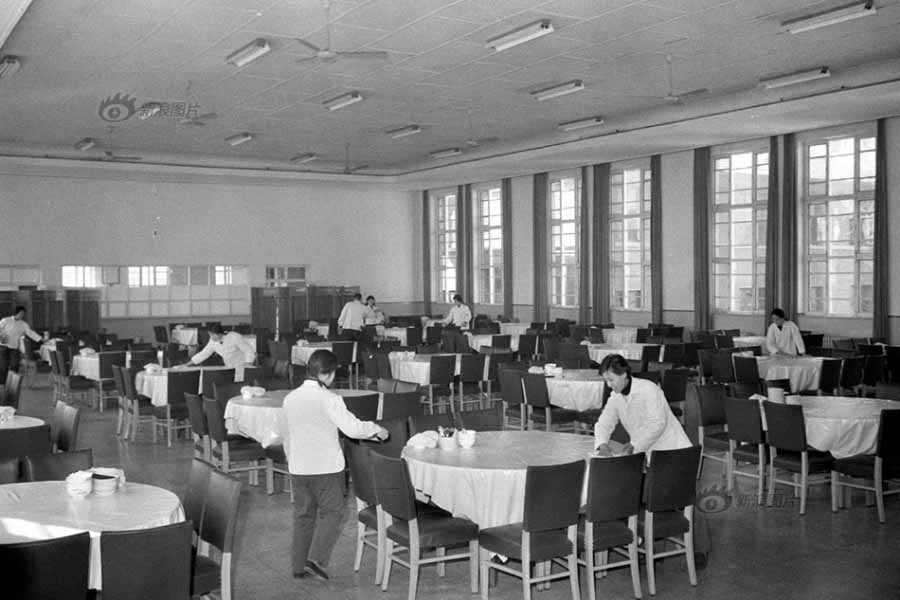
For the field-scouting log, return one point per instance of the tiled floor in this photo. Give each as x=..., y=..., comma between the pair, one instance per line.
x=757, y=552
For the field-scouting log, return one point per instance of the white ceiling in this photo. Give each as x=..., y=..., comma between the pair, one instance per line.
x=439, y=75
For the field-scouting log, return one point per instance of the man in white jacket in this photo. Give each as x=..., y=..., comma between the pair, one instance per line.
x=783, y=336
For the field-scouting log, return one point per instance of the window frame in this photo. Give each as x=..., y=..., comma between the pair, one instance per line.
x=445, y=251
x=618, y=221
x=561, y=274
x=490, y=234
x=82, y=275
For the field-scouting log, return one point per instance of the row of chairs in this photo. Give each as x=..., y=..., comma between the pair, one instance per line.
x=60, y=435
x=623, y=505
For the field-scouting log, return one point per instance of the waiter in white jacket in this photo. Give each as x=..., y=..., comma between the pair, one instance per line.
x=783, y=336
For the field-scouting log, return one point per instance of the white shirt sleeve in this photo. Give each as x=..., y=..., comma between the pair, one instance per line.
x=205, y=353
x=345, y=315
x=771, y=343
x=798, y=339
x=246, y=349
x=607, y=421
x=30, y=333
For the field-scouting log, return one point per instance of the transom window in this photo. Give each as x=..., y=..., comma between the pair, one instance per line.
x=489, y=255
x=445, y=223
x=565, y=210
x=81, y=276
x=222, y=275
x=148, y=276
x=839, y=216
x=629, y=239
x=740, y=213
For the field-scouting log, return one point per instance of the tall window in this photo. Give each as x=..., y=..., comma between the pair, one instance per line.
x=740, y=200
x=629, y=239
x=148, y=276
x=445, y=224
x=565, y=201
x=489, y=229
x=285, y=276
x=81, y=276
x=839, y=214
x=222, y=275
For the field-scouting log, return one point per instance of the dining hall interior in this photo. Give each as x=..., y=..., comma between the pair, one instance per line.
x=648, y=179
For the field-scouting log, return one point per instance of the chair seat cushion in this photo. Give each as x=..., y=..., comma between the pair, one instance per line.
x=863, y=466
x=240, y=449
x=715, y=441
x=144, y=405
x=557, y=415
x=607, y=534
x=748, y=453
x=207, y=576
x=369, y=517
x=667, y=523
x=106, y=384
x=819, y=462
x=435, y=529
x=77, y=382
x=175, y=411
x=507, y=540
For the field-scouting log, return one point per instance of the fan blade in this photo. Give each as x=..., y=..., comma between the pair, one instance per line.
x=312, y=47
x=372, y=55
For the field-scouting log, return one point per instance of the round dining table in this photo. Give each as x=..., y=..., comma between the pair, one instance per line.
x=43, y=510
x=576, y=389
x=154, y=384
x=303, y=350
x=802, y=371
x=486, y=483
x=620, y=335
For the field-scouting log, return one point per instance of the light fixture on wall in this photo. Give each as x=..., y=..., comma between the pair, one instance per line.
x=795, y=78
x=342, y=101
x=404, y=132
x=447, y=153
x=580, y=124
x=85, y=144
x=520, y=35
x=302, y=159
x=556, y=91
x=847, y=12
x=249, y=53
x=239, y=139
x=8, y=66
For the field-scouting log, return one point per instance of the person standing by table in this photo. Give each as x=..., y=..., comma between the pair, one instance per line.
x=783, y=336
x=455, y=323
x=372, y=315
x=314, y=416
x=352, y=318
x=12, y=329
x=232, y=347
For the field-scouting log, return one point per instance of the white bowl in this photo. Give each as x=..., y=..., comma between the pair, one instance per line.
x=447, y=443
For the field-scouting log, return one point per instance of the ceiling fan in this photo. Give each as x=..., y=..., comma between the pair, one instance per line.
x=109, y=155
x=347, y=168
x=325, y=53
x=199, y=120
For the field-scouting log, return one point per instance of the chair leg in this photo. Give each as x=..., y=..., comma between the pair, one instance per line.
x=771, y=496
x=526, y=579
x=648, y=552
x=270, y=489
x=473, y=566
x=635, y=568
x=879, y=491
x=154, y=429
x=379, y=552
x=835, y=490
x=573, y=573
x=360, y=546
x=484, y=575
x=414, y=555
x=388, y=559
x=804, y=483
x=225, y=576
x=441, y=566
x=689, y=547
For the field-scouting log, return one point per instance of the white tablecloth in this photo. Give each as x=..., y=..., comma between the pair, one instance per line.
x=263, y=418
x=514, y=329
x=620, y=335
x=44, y=510
x=20, y=422
x=155, y=385
x=89, y=366
x=417, y=368
x=395, y=332
x=576, y=389
x=485, y=339
x=486, y=483
x=186, y=336
x=843, y=425
x=300, y=353
x=803, y=371
x=632, y=351
x=45, y=350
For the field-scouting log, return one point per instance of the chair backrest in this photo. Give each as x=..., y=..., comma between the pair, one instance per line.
x=642, y=336
x=711, y=402
x=511, y=386
x=361, y=472
x=830, y=374
x=225, y=391
x=393, y=488
x=654, y=376
x=212, y=377
x=443, y=368
x=215, y=421
x=614, y=487
x=402, y=387
x=365, y=406
x=139, y=358
x=722, y=366
x=785, y=426
x=887, y=391
x=401, y=404
x=497, y=360
x=119, y=380
x=386, y=385
x=784, y=384
x=9, y=470
x=108, y=359
x=56, y=467
x=471, y=367
x=413, y=336
x=674, y=354
x=888, y=446
x=343, y=351
x=500, y=341
x=13, y=389
x=842, y=343
x=420, y=423
x=56, y=568
x=744, y=421
x=724, y=341
x=527, y=344
x=223, y=494
x=196, y=413
x=194, y=501
x=675, y=382
x=488, y=419
x=552, y=496
x=24, y=441
x=746, y=369
x=151, y=564
x=433, y=334
x=179, y=382
x=370, y=365
x=161, y=334
x=67, y=418
x=384, y=365
x=548, y=346
x=852, y=371
x=398, y=428
x=670, y=483
x=536, y=392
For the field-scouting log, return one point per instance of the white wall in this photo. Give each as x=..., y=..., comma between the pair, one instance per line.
x=523, y=247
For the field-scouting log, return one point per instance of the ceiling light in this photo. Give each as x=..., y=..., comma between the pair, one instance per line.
x=580, y=124
x=520, y=35
x=825, y=18
x=558, y=90
x=404, y=131
x=794, y=78
x=446, y=153
x=304, y=158
x=85, y=144
x=238, y=139
x=342, y=101
x=249, y=53
x=8, y=66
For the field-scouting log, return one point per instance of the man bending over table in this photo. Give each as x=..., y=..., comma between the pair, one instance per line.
x=316, y=462
x=231, y=346
x=11, y=331
x=783, y=336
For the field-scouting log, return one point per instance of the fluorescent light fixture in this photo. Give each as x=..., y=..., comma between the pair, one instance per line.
x=825, y=18
x=249, y=53
x=85, y=144
x=580, y=124
x=794, y=78
x=404, y=131
x=520, y=35
x=8, y=66
x=342, y=101
x=304, y=158
x=238, y=139
x=446, y=153
x=558, y=90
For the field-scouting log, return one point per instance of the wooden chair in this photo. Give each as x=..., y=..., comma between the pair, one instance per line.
x=471, y=371
x=223, y=495
x=174, y=415
x=713, y=444
x=229, y=449
x=64, y=429
x=746, y=442
x=441, y=372
x=513, y=397
x=370, y=521
x=537, y=400
x=151, y=564
x=487, y=419
x=58, y=466
x=38, y=570
x=401, y=404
